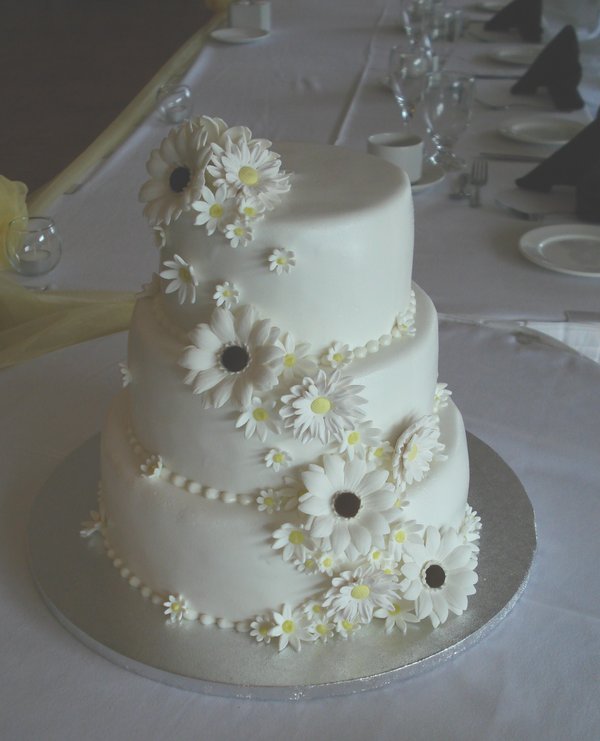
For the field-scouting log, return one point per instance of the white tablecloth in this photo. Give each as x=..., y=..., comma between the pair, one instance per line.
x=316, y=78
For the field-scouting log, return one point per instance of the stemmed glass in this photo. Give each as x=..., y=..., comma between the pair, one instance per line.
x=416, y=19
x=408, y=76
x=447, y=102
x=33, y=245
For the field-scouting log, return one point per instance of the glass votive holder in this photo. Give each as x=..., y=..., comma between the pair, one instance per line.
x=174, y=102
x=33, y=245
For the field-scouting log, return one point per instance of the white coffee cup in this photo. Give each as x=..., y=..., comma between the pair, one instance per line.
x=403, y=150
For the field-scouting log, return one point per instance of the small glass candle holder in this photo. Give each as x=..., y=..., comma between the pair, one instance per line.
x=33, y=245
x=174, y=102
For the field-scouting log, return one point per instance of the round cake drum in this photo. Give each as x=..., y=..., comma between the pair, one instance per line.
x=89, y=597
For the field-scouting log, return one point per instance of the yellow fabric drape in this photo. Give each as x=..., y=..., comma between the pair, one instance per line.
x=32, y=322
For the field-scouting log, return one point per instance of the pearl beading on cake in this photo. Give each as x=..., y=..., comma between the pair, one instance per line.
x=189, y=485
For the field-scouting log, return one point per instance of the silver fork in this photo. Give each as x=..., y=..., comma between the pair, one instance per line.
x=479, y=176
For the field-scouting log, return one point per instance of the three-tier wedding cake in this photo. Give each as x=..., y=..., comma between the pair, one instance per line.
x=282, y=459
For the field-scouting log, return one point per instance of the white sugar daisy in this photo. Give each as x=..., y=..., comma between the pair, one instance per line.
x=258, y=418
x=416, y=449
x=438, y=575
x=250, y=169
x=297, y=362
x=152, y=467
x=175, y=608
x=290, y=492
x=282, y=261
x=347, y=505
x=403, y=532
x=291, y=627
x=359, y=439
x=441, y=397
x=398, y=616
x=338, y=356
x=326, y=562
x=346, y=628
x=260, y=628
x=249, y=208
x=381, y=454
x=269, y=501
x=226, y=295
x=405, y=321
x=378, y=558
x=470, y=529
x=233, y=357
x=294, y=540
x=176, y=172
x=277, y=459
x=322, y=407
x=239, y=234
x=125, y=374
x=215, y=210
x=321, y=628
x=180, y=277
x=354, y=595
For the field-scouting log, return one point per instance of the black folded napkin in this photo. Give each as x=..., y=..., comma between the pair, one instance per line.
x=524, y=15
x=577, y=163
x=556, y=68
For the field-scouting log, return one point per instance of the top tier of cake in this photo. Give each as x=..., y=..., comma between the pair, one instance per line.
x=344, y=231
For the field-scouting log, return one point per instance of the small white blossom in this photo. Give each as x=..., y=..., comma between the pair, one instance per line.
x=268, y=501
x=338, y=356
x=282, y=261
x=441, y=397
x=355, y=594
x=249, y=208
x=291, y=627
x=277, y=459
x=180, y=277
x=405, y=321
x=152, y=467
x=238, y=234
x=260, y=628
x=175, y=608
x=258, y=417
x=359, y=439
x=398, y=616
x=294, y=541
x=125, y=374
x=226, y=295
x=403, y=532
x=346, y=628
x=297, y=363
x=416, y=449
x=215, y=210
x=381, y=454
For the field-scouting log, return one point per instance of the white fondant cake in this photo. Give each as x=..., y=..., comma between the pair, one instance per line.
x=282, y=459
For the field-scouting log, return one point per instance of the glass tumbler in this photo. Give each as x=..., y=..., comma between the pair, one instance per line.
x=33, y=245
x=447, y=104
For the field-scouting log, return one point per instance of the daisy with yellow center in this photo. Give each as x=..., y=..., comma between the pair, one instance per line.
x=291, y=627
x=258, y=418
x=416, y=449
x=358, y=440
x=215, y=210
x=238, y=234
x=282, y=261
x=354, y=595
x=152, y=467
x=181, y=278
x=277, y=459
x=226, y=295
x=175, y=608
x=338, y=356
x=297, y=362
x=260, y=628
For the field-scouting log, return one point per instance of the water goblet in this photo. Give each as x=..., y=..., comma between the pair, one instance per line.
x=174, y=102
x=33, y=245
x=416, y=18
x=408, y=75
x=447, y=103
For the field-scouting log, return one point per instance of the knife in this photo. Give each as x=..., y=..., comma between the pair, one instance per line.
x=502, y=157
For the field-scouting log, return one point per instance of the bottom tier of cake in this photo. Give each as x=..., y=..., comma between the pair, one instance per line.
x=223, y=553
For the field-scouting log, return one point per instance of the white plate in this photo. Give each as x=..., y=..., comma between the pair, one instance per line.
x=551, y=130
x=566, y=248
x=431, y=175
x=238, y=35
x=518, y=54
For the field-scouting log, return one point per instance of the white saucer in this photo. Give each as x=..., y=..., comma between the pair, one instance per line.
x=566, y=248
x=518, y=54
x=431, y=175
x=238, y=35
x=551, y=130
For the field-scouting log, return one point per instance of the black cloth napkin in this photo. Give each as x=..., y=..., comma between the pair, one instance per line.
x=524, y=15
x=556, y=68
x=577, y=163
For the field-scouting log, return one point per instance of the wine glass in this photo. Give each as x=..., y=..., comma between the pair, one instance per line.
x=408, y=76
x=416, y=19
x=447, y=102
x=33, y=245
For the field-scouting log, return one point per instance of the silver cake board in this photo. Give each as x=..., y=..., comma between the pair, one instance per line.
x=89, y=598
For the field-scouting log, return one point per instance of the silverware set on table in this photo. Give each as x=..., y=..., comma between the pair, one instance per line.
x=468, y=185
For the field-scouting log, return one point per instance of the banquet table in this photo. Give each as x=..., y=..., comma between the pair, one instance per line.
x=318, y=77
